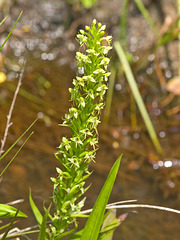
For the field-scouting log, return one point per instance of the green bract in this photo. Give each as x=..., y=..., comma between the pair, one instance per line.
x=76, y=152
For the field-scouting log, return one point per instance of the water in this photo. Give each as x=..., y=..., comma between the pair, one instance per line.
x=49, y=72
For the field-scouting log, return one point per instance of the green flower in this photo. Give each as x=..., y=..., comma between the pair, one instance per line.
x=77, y=151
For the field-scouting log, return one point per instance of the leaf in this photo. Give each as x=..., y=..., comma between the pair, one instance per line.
x=62, y=235
x=35, y=210
x=8, y=211
x=107, y=233
x=10, y=225
x=9, y=149
x=109, y=225
x=76, y=236
x=3, y=20
x=15, y=154
x=137, y=95
x=94, y=222
x=42, y=234
x=11, y=31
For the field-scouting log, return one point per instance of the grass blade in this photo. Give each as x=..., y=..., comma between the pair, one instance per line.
x=8, y=211
x=10, y=225
x=94, y=222
x=35, y=210
x=3, y=20
x=11, y=31
x=109, y=225
x=137, y=96
x=9, y=149
x=146, y=15
x=123, y=29
x=42, y=234
x=16, y=154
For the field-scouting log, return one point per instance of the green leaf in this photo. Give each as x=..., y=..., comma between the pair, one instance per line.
x=11, y=31
x=42, y=234
x=137, y=96
x=94, y=222
x=76, y=236
x=107, y=232
x=10, y=225
x=9, y=149
x=62, y=235
x=109, y=225
x=8, y=211
x=35, y=210
x=3, y=20
x=15, y=154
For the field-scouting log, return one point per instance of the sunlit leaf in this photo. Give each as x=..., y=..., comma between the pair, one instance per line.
x=42, y=234
x=11, y=31
x=8, y=211
x=94, y=222
x=35, y=210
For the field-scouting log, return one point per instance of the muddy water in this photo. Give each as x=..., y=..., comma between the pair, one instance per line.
x=48, y=74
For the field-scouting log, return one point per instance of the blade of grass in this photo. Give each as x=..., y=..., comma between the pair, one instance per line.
x=137, y=96
x=20, y=234
x=122, y=36
x=10, y=225
x=3, y=20
x=35, y=210
x=94, y=222
x=26, y=95
x=15, y=154
x=8, y=211
x=109, y=225
x=42, y=233
x=146, y=15
x=11, y=31
x=9, y=149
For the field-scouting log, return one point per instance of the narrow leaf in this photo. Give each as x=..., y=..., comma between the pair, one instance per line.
x=10, y=225
x=11, y=31
x=8, y=211
x=42, y=234
x=35, y=210
x=134, y=88
x=109, y=225
x=9, y=149
x=15, y=154
x=94, y=222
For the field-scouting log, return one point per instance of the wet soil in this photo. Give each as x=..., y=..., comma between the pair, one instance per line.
x=45, y=37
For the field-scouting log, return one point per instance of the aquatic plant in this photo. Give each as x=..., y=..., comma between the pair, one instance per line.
x=77, y=151
x=137, y=96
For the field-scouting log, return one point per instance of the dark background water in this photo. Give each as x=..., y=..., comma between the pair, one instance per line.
x=45, y=36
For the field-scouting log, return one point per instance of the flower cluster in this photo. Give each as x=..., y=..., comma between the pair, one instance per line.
x=75, y=153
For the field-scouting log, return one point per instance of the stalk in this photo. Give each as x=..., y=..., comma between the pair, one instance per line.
x=77, y=151
x=133, y=85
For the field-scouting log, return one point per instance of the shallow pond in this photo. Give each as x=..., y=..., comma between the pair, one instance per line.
x=49, y=49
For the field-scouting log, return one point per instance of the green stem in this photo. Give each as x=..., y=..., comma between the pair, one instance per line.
x=137, y=96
